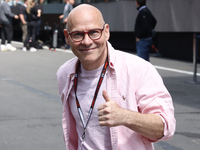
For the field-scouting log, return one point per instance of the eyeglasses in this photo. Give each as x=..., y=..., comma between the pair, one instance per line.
x=94, y=34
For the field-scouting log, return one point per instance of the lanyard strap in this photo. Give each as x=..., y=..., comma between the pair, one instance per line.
x=94, y=98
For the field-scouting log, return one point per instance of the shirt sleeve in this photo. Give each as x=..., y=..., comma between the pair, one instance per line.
x=7, y=11
x=154, y=98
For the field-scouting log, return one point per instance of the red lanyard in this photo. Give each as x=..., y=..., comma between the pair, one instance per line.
x=94, y=98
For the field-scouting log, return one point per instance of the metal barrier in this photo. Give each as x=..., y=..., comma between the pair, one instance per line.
x=195, y=57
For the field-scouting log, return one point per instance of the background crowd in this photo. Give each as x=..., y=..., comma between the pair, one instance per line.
x=29, y=15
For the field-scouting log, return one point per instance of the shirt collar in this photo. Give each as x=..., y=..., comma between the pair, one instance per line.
x=142, y=7
x=111, y=55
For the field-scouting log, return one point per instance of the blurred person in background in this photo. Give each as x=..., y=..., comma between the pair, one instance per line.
x=17, y=4
x=144, y=29
x=6, y=26
x=23, y=18
x=39, y=6
x=33, y=15
x=67, y=9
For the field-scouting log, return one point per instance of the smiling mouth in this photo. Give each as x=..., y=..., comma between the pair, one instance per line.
x=87, y=49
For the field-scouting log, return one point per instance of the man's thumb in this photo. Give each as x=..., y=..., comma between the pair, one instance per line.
x=106, y=96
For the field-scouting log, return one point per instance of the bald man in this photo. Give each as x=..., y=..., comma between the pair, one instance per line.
x=111, y=99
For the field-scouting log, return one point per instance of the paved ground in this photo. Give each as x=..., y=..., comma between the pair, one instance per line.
x=30, y=107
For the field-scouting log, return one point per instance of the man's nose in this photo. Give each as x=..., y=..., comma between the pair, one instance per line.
x=87, y=40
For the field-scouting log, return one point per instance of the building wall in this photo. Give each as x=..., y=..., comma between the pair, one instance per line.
x=177, y=21
x=172, y=15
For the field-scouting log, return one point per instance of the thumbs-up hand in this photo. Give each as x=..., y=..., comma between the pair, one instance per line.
x=110, y=113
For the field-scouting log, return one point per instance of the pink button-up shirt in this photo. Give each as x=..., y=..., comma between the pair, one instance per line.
x=135, y=85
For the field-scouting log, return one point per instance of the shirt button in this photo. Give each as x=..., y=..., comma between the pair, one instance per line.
x=124, y=98
x=111, y=64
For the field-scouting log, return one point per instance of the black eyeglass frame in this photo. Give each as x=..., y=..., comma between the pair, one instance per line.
x=70, y=34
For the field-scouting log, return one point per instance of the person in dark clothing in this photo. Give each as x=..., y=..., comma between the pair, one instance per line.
x=67, y=9
x=144, y=29
x=39, y=6
x=32, y=16
x=16, y=9
x=6, y=26
x=23, y=18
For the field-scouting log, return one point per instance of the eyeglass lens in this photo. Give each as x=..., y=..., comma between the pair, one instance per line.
x=93, y=34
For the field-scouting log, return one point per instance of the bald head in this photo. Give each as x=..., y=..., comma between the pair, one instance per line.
x=87, y=36
x=84, y=14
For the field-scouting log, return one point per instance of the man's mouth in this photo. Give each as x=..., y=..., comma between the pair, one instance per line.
x=87, y=49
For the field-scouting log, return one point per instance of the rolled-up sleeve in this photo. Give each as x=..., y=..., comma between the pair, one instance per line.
x=154, y=98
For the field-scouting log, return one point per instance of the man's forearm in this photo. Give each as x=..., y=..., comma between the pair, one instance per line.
x=111, y=114
x=22, y=18
x=148, y=125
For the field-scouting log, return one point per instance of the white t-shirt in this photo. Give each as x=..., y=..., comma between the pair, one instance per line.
x=97, y=137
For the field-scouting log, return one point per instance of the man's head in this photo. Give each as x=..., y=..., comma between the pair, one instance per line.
x=141, y=2
x=87, y=34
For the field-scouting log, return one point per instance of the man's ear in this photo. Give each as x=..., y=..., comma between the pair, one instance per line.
x=66, y=36
x=107, y=32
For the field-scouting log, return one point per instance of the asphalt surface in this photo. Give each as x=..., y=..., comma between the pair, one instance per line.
x=31, y=110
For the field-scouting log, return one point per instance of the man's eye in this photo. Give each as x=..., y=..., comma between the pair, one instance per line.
x=94, y=31
x=76, y=34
